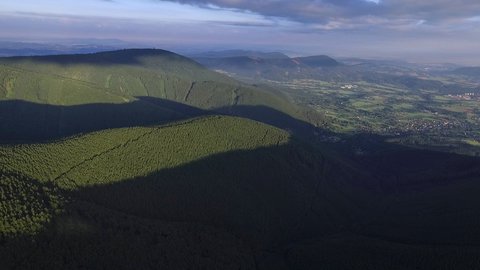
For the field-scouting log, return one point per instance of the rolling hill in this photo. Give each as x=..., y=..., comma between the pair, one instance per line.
x=78, y=127
x=224, y=192
x=131, y=83
x=254, y=66
x=240, y=185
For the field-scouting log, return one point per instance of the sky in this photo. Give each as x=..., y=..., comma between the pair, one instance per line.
x=413, y=30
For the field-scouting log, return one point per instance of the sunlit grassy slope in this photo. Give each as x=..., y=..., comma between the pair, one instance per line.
x=49, y=97
x=120, y=76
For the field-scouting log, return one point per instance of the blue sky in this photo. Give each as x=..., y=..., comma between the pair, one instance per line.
x=427, y=30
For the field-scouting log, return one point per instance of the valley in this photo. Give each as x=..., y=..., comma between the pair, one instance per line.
x=422, y=117
x=146, y=159
x=403, y=103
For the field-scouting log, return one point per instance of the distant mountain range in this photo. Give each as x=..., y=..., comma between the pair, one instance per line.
x=266, y=60
x=251, y=66
x=468, y=71
x=276, y=66
x=240, y=53
x=74, y=46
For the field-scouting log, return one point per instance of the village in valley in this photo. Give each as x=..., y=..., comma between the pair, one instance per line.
x=465, y=96
x=389, y=110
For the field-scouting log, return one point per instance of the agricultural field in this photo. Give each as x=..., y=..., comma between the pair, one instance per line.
x=415, y=117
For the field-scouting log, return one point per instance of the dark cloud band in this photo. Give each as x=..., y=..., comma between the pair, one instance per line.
x=319, y=11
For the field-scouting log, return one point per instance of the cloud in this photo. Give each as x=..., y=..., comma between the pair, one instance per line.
x=407, y=29
x=326, y=11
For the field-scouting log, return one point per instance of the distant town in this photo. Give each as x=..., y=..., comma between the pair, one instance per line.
x=349, y=86
x=465, y=96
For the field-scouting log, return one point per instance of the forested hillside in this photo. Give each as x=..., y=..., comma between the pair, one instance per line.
x=143, y=159
x=57, y=96
x=232, y=182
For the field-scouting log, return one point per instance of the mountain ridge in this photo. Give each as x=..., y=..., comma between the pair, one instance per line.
x=131, y=77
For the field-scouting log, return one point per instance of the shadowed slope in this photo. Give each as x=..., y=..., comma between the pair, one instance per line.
x=27, y=121
x=220, y=191
x=212, y=178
